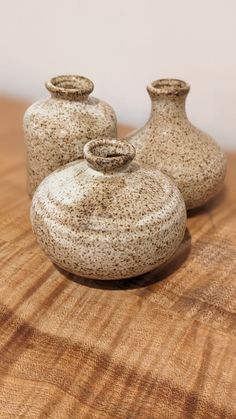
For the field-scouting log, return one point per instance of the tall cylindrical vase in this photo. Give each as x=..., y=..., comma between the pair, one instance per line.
x=57, y=128
x=172, y=144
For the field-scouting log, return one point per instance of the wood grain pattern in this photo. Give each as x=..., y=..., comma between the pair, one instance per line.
x=160, y=346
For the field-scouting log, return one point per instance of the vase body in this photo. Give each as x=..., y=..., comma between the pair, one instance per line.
x=106, y=217
x=57, y=128
x=172, y=144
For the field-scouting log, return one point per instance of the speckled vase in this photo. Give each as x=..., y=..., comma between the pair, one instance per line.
x=172, y=144
x=106, y=217
x=57, y=128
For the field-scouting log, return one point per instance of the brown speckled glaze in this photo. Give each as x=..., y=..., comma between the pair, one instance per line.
x=57, y=128
x=172, y=144
x=106, y=217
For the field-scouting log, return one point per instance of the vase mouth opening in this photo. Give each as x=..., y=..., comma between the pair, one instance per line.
x=108, y=155
x=164, y=87
x=70, y=86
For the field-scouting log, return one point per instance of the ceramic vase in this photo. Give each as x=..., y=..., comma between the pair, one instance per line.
x=57, y=128
x=106, y=217
x=172, y=144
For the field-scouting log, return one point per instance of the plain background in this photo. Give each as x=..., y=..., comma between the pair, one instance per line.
x=122, y=45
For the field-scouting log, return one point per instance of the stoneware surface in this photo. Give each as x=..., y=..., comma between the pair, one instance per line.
x=106, y=217
x=57, y=128
x=172, y=144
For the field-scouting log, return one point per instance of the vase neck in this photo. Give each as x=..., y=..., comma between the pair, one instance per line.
x=69, y=87
x=169, y=107
x=108, y=156
x=168, y=98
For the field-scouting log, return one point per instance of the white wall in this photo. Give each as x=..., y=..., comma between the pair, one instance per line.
x=122, y=45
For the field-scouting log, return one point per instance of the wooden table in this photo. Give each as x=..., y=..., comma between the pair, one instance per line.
x=159, y=346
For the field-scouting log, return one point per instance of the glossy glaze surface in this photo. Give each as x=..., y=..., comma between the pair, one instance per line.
x=106, y=217
x=57, y=128
x=172, y=144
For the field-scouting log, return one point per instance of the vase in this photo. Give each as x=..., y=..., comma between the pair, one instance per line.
x=57, y=128
x=106, y=217
x=172, y=144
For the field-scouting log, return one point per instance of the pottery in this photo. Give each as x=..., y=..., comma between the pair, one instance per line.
x=106, y=217
x=57, y=128
x=172, y=144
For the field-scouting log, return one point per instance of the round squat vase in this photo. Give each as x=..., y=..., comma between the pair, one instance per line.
x=57, y=128
x=106, y=217
x=172, y=144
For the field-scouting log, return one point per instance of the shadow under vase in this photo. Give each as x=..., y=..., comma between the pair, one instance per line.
x=213, y=203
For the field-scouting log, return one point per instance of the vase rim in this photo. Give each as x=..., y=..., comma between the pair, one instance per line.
x=108, y=155
x=164, y=87
x=70, y=86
